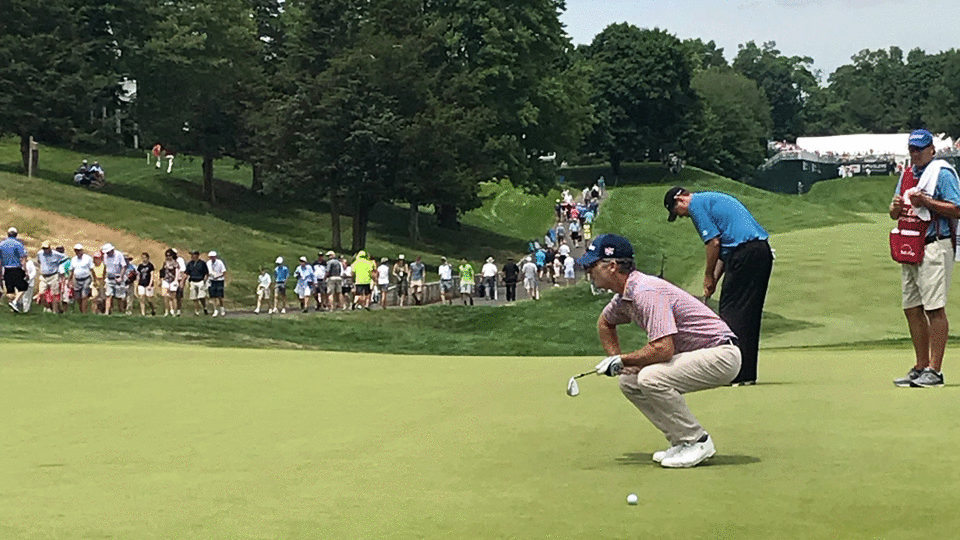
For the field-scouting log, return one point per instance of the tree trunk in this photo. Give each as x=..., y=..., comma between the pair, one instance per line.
x=447, y=217
x=414, y=227
x=615, y=168
x=208, y=192
x=25, y=155
x=336, y=238
x=256, y=185
x=361, y=216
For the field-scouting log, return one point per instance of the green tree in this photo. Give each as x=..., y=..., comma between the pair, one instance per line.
x=48, y=88
x=642, y=93
x=705, y=55
x=736, y=123
x=785, y=80
x=194, y=71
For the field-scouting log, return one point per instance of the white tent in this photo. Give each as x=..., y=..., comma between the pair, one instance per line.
x=865, y=144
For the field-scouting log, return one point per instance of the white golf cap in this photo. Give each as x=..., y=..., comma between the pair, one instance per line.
x=401, y=257
x=212, y=254
x=78, y=246
x=279, y=260
x=303, y=259
x=12, y=230
x=107, y=247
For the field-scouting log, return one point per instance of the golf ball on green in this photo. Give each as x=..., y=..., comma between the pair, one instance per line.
x=632, y=498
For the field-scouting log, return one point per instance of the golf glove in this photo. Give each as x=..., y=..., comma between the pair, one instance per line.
x=610, y=366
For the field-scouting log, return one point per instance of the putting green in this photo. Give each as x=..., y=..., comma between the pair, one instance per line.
x=180, y=442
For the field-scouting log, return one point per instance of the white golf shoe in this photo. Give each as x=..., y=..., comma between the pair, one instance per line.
x=669, y=452
x=690, y=454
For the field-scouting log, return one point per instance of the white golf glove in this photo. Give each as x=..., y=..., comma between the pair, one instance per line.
x=610, y=366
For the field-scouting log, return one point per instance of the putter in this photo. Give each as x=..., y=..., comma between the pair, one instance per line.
x=573, y=389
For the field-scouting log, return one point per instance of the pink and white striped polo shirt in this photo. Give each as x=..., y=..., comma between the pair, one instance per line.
x=663, y=309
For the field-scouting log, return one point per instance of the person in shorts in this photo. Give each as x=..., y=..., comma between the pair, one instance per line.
x=446, y=281
x=81, y=276
x=48, y=284
x=347, y=288
x=467, y=277
x=320, y=293
x=217, y=275
x=401, y=272
x=334, y=281
x=197, y=272
x=14, y=256
x=145, y=284
x=263, y=289
x=304, y=289
x=171, y=281
x=363, y=272
x=130, y=283
x=417, y=274
x=280, y=276
x=98, y=287
x=531, y=279
x=114, y=285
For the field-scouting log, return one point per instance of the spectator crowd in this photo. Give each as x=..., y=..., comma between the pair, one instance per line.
x=109, y=281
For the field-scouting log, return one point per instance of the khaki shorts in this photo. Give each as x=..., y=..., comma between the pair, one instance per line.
x=928, y=283
x=48, y=283
x=144, y=290
x=198, y=290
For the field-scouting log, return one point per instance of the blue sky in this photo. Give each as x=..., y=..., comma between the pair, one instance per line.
x=829, y=31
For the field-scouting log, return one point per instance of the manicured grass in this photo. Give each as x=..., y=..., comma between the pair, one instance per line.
x=560, y=324
x=148, y=442
x=638, y=213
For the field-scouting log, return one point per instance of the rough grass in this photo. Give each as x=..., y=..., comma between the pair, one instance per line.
x=186, y=442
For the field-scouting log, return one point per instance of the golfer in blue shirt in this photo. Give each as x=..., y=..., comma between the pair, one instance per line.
x=736, y=248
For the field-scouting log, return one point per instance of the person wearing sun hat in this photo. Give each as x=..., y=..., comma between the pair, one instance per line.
x=280, y=276
x=689, y=348
x=736, y=248
x=933, y=195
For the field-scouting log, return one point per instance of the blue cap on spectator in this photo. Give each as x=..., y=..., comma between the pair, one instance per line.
x=606, y=246
x=921, y=138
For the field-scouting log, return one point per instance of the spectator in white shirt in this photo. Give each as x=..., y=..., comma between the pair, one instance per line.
x=81, y=276
x=263, y=288
x=489, y=274
x=217, y=277
x=383, y=281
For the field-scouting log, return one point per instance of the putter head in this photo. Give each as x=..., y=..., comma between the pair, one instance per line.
x=573, y=389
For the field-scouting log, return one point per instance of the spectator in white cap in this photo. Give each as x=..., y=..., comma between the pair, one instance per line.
x=304, y=276
x=198, y=273
x=280, y=276
x=14, y=257
x=114, y=286
x=218, y=274
x=263, y=288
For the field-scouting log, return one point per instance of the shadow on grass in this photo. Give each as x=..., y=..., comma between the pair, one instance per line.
x=641, y=458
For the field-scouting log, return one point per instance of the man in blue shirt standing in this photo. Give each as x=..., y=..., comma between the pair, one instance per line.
x=935, y=198
x=736, y=248
x=14, y=257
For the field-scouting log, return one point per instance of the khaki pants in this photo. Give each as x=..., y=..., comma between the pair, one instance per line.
x=657, y=390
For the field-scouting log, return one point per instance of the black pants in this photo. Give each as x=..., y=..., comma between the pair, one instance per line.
x=511, y=291
x=746, y=277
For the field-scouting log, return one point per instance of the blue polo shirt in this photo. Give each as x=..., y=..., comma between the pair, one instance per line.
x=721, y=215
x=281, y=274
x=948, y=189
x=12, y=252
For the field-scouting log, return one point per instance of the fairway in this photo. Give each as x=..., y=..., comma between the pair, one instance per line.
x=180, y=442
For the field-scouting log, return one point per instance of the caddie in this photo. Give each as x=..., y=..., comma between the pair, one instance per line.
x=689, y=348
x=934, y=197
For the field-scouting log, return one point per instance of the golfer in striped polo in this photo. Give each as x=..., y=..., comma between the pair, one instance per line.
x=689, y=348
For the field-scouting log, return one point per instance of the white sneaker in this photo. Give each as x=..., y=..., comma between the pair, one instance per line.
x=223, y=312
x=690, y=454
x=669, y=452
x=257, y=311
x=284, y=310
x=215, y=313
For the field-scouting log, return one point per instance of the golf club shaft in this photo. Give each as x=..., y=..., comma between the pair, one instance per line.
x=584, y=374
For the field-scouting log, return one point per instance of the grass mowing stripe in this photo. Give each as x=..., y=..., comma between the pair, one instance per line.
x=141, y=442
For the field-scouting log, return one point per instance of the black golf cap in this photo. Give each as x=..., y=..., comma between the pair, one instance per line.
x=670, y=201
